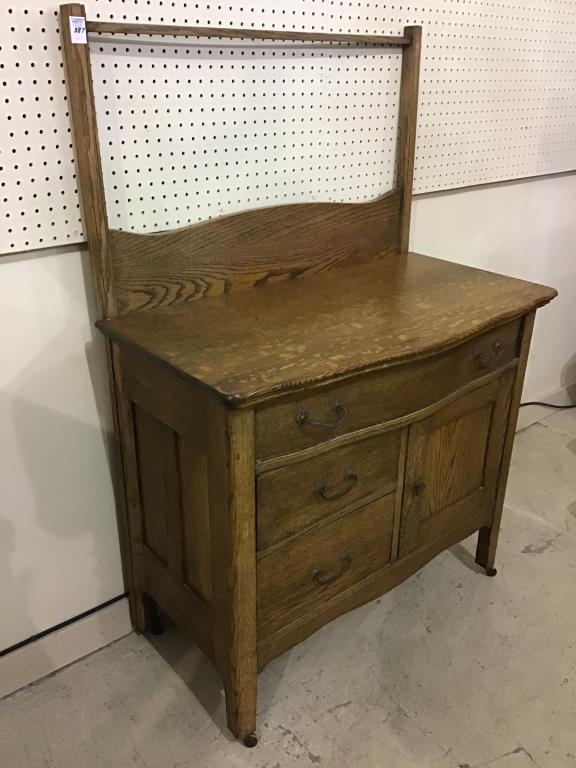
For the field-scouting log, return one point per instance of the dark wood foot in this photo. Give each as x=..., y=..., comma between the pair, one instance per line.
x=156, y=625
x=153, y=621
x=491, y=571
x=250, y=741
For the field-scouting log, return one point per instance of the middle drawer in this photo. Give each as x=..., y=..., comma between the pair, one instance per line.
x=297, y=497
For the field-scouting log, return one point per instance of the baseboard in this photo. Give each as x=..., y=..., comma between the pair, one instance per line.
x=46, y=655
x=530, y=414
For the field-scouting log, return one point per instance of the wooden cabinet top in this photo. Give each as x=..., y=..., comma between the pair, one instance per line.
x=250, y=344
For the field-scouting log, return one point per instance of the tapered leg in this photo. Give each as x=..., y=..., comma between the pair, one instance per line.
x=486, y=548
x=488, y=536
x=231, y=480
x=241, y=709
x=133, y=549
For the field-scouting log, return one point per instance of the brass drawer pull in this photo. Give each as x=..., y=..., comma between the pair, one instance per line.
x=350, y=477
x=485, y=360
x=326, y=577
x=338, y=408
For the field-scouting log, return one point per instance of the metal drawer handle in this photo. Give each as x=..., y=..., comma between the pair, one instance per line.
x=326, y=577
x=338, y=408
x=485, y=360
x=350, y=477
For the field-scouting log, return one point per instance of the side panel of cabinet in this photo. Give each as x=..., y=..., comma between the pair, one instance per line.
x=452, y=466
x=173, y=479
x=172, y=473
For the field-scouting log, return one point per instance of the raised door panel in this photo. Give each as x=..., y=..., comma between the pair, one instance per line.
x=173, y=490
x=452, y=466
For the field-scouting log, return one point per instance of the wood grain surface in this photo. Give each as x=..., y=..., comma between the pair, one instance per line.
x=249, y=249
x=231, y=487
x=453, y=461
x=381, y=396
x=407, y=118
x=273, y=338
x=288, y=499
x=488, y=536
x=246, y=33
x=287, y=586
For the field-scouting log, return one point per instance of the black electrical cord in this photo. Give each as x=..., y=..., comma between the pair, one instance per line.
x=547, y=405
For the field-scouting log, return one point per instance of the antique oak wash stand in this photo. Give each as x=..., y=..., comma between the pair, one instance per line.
x=292, y=448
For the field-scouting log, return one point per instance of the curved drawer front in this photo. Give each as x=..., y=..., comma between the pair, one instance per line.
x=296, y=579
x=293, y=498
x=303, y=420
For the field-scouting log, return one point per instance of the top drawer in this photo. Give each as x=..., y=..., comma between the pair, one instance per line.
x=306, y=418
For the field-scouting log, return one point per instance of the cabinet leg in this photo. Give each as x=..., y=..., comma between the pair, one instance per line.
x=230, y=450
x=241, y=710
x=152, y=620
x=486, y=548
x=138, y=611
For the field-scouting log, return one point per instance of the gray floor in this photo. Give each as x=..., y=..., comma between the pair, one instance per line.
x=452, y=669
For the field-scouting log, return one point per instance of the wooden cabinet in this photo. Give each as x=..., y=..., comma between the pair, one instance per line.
x=255, y=526
x=263, y=504
x=307, y=412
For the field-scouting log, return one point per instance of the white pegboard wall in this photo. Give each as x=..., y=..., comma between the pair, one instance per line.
x=498, y=101
x=190, y=132
x=40, y=204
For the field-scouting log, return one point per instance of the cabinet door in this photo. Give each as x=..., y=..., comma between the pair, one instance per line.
x=452, y=465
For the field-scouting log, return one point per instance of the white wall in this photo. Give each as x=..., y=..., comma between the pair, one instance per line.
x=59, y=551
x=58, y=538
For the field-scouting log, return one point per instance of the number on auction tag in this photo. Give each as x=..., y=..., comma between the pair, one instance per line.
x=78, y=29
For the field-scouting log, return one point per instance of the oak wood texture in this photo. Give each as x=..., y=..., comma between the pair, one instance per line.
x=179, y=602
x=290, y=501
x=127, y=28
x=453, y=463
x=296, y=333
x=399, y=495
x=408, y=113
x=130, y=513
x=265, y=465
x=88, y=163
x=159, y=483
x=249, y=249
x=381, y=396
x=195, y=523
x=488, y=536
x=287, y=585
x=230, y=444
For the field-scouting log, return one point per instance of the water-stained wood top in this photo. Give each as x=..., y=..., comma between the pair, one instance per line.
x=275, y=337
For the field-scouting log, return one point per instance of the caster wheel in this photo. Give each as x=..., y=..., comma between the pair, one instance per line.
x=491, y=571
x=250, y=741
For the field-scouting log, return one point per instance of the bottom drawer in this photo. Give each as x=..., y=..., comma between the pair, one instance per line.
x=302, y=576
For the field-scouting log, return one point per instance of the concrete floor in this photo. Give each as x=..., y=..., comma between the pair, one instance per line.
x=452, y=669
